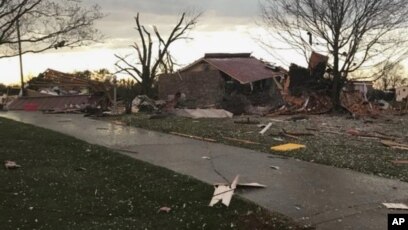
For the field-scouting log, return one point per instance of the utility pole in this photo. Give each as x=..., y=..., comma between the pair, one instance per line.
x=21, y=57
x=115, y=109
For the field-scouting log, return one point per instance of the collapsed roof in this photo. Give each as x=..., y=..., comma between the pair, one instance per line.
x=240, y=66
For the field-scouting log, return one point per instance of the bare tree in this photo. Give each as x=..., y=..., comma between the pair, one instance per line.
x=46, y=24
x=154, y=56
x=353, y=33
x=390, y=76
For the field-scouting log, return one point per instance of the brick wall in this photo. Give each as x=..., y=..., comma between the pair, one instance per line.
x=203, y=87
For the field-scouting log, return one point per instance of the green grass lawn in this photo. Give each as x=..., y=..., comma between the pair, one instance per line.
x=343, y=151
x=65, y=183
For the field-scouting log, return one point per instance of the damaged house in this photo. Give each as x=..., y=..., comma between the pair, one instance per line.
x=63, y=92
x=221, y=80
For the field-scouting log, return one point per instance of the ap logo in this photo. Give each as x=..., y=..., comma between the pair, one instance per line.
x=397, y=221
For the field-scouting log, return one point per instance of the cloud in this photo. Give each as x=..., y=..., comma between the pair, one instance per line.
x=219, y=15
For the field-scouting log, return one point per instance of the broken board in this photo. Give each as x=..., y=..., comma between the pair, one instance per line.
x=396, y=206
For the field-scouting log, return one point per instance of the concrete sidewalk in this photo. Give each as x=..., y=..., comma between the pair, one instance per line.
x=312, y=194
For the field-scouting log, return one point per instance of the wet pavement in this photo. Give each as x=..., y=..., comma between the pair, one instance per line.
x=312, y=194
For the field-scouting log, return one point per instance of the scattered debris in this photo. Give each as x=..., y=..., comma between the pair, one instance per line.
x=274, y=167
x=287, y=147
x=263, y=131
x=164, y=209
x=11, y=165
x=194, y=137
x=396, y=206
x=354, y=102
x=241, y=141
x=224, y=193
x=206, y=158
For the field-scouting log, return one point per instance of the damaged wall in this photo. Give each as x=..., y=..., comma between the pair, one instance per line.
x=203, y=87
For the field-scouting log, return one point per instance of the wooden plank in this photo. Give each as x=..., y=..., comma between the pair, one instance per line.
x=400, y=162
x=242, y=141
x=263, y=131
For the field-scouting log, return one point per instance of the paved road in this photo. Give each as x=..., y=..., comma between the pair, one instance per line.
x=324, y=196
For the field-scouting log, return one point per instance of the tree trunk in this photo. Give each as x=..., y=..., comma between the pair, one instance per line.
x=337, y=81
x=147, y=87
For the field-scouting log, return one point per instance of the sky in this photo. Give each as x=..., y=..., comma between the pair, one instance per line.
x=225, y=26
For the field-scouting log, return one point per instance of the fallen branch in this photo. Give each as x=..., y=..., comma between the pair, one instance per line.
x=378, y=135
x=288, y=135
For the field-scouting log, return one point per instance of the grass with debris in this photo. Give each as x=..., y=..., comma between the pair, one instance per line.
x=65, y=183
x=330, y=144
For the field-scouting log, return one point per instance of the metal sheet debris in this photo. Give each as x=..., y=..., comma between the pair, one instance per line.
x=224, y=193
x=287, y=147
